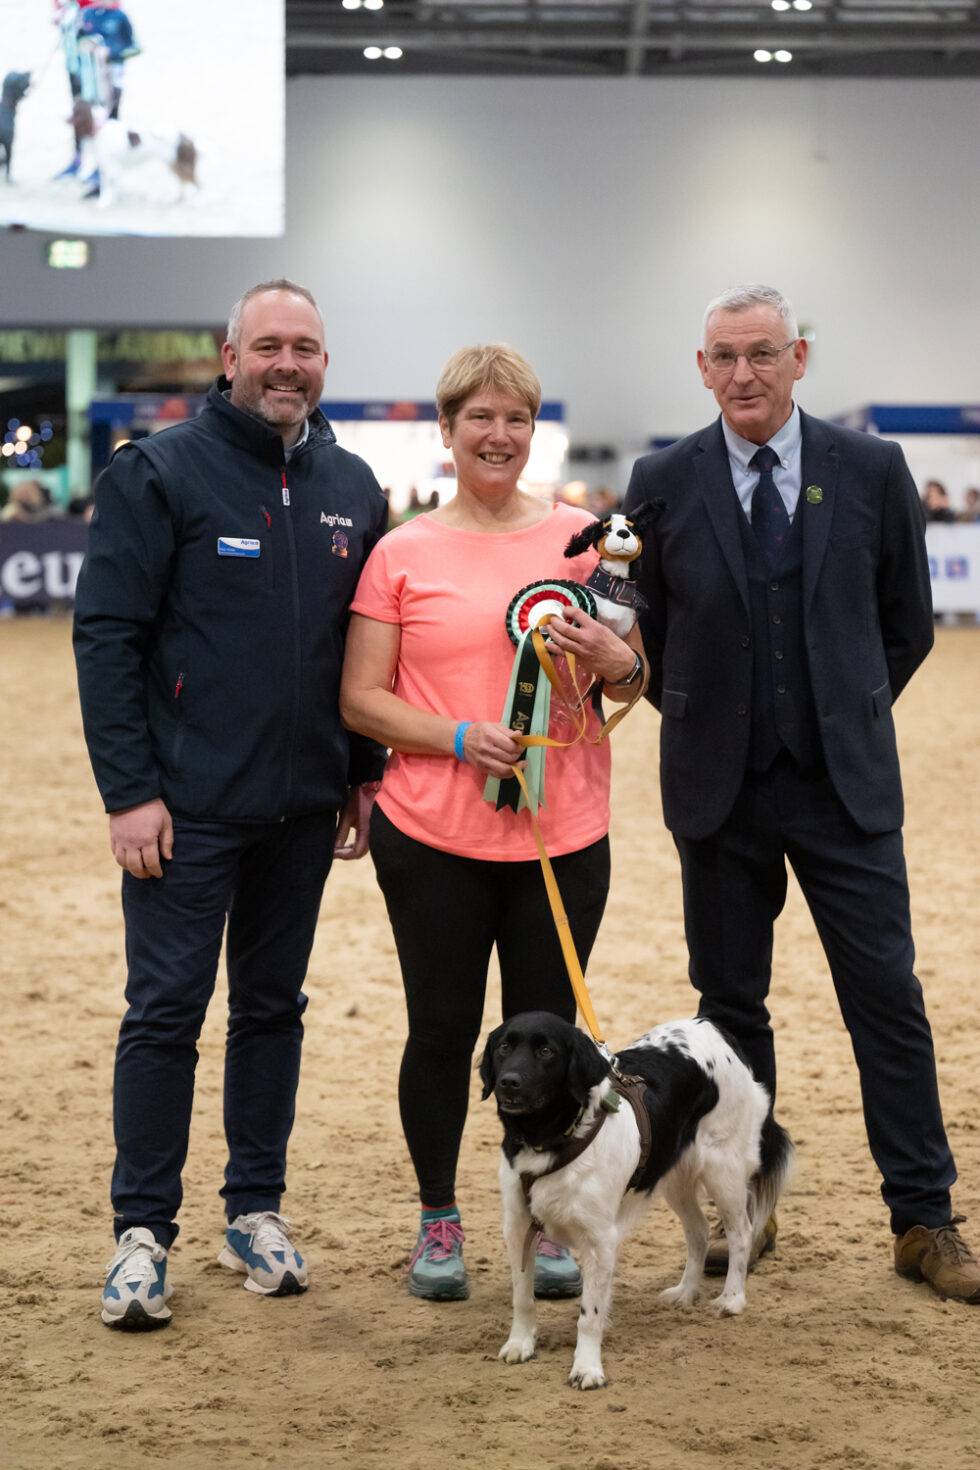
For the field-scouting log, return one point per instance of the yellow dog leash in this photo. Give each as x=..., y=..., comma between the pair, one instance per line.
x=575, y=974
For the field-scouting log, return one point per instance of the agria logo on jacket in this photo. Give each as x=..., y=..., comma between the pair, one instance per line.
x=326, y=520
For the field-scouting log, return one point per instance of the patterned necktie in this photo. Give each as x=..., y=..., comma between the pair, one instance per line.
x=769, y=519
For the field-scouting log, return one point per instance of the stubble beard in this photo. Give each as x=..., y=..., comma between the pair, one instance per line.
x=278, y=411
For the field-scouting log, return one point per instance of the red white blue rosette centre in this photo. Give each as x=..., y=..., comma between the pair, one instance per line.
x=537, y=600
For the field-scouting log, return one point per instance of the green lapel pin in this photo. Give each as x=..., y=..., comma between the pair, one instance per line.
x=814, y=494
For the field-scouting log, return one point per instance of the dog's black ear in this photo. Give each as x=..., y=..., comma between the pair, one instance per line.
x=644, y=516
x=583, y=539
x=586, y=1066
x=488, y=1071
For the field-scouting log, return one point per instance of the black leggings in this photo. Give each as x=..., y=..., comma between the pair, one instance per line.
x=447, y=912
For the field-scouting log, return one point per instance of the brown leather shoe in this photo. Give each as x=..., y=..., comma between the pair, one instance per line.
x=716, y=1260
x=942, y=1258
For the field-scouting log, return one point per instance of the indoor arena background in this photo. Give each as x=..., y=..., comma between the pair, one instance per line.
x=837, y=1364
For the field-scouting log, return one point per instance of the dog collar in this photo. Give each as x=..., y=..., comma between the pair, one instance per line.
x=543, y=1148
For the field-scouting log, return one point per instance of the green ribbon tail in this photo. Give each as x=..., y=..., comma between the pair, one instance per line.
x=535, y=754
x=518, y=715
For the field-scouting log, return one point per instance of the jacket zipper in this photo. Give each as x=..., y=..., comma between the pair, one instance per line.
x=297, y=650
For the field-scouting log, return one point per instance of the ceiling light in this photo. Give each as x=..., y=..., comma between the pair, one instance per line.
x=802, y=4
x=761, y=55
x=351, y=4
x=393, y=53
x=780, y=4
x=373, y=53
x=784, y=56
x=373, y=4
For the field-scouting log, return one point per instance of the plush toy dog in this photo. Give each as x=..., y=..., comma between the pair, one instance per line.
x=619, y=542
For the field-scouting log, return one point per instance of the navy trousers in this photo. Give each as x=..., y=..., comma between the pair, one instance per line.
x=856, y=887
x=267, y=880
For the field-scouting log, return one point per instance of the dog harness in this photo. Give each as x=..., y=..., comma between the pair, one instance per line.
x=633, y=1089
x=616, y=589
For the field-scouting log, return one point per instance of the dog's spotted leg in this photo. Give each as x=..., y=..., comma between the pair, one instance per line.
x=598, y=1264
x=519, y=1346
x=731, y=1300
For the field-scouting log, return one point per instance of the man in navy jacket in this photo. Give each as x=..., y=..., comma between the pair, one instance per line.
x=211, y=614
x=789, y=604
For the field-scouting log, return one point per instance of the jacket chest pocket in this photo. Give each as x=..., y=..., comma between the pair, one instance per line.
x=244, y=564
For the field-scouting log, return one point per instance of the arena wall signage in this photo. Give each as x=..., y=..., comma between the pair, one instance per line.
x=39, y=564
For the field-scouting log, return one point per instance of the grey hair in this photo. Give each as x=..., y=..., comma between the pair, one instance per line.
x=235, y=317
x=743, y=298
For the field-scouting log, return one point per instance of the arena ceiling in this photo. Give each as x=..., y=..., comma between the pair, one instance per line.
x=645, y=38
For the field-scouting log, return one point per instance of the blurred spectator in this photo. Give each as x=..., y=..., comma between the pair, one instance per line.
x=29, y=500
x=935, y=502
x=413, y=508
x=80, y=507
x=971, y=505
x=602, y=501
x=392, y=516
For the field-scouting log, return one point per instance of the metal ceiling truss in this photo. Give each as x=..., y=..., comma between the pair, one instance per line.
x=637, y=37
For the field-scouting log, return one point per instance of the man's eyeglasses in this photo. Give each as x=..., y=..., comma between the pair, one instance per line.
x=760, y=359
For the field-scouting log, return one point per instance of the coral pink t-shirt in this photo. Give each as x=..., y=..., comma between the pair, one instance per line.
x=449, y=591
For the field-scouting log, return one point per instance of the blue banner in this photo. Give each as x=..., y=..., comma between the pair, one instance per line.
x=40, y=562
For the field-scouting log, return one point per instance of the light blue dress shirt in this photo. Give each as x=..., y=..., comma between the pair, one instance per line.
x=787, y=474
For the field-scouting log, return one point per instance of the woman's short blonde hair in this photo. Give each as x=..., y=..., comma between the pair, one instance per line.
x=497, y=368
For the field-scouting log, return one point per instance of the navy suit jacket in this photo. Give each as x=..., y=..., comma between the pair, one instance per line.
x=867, y=618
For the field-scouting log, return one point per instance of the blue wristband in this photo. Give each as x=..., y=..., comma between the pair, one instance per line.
x=461, y=729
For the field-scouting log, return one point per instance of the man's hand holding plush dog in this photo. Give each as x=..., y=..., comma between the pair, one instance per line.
x=597, y=650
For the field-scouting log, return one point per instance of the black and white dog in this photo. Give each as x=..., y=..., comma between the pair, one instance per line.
x=12, y=93
x=580, y=1161
x=123, y=156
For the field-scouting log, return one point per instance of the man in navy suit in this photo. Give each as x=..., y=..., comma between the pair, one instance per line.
x=789, y=605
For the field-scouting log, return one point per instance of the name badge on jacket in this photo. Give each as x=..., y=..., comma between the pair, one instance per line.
x=238, y=546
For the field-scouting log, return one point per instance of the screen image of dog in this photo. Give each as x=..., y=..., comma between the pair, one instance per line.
x=13, y=90
x=584, y=1153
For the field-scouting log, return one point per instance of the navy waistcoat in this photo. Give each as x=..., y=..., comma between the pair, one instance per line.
x=783, y=712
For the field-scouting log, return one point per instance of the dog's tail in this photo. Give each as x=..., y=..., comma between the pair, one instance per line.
x=772, y=1176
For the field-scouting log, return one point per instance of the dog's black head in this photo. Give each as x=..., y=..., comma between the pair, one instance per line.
x=15, y=85
x=632, y=527
x=540, y=1069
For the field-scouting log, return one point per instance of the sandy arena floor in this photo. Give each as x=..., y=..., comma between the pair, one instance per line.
x=836, y=1365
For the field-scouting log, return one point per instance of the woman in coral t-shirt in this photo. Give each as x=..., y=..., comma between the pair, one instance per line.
x=426, y=673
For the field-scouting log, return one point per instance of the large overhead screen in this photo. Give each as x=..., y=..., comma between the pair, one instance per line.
x=149, y=117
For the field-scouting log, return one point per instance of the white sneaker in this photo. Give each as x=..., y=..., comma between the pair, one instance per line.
x=136, y=1291
x=259, y=1246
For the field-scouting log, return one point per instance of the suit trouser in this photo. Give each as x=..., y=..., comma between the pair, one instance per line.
x=267, y=879
x=447, y=914
x=856, y=886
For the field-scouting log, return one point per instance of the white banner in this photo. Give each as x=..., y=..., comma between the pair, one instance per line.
x=954, y=566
